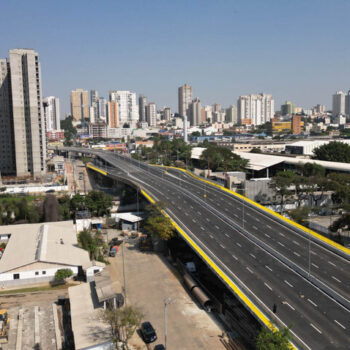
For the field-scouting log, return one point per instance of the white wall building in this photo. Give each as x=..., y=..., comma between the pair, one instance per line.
x=255, y=109
x=128, y=112
x=151, y=113
x=34, y=252
x=52, y=113
x=338, y=105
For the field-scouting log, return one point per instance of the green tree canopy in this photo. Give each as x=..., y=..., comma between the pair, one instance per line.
x=279, y=340
x=62, y=274
x=333, y=152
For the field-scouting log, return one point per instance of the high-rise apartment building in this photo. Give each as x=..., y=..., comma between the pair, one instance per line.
x=195, y=112
x=296, y=125
x=166, y=114
x=52, y=113
x=22, y=120
x=102, y=109
x=151, y=114
x=79, y=102
x=93, y=97
x=142, y=108
x=255, y=109
x=113, y=114
x=216, y=107
x=128, y=112
x=288, y=108
x=231, y=115
x=338, y=106
x=347, y=104
x=185, y=96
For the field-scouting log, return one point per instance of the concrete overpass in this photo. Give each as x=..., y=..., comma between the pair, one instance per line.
x=263, y=258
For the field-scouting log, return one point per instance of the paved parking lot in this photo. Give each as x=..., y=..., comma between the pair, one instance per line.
x=149, y=280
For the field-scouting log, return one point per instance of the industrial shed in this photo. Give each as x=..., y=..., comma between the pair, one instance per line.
x=34, y=253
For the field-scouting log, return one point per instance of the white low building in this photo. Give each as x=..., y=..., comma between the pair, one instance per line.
x=34, y=252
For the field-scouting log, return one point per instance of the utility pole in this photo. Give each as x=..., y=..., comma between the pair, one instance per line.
x=124, y=271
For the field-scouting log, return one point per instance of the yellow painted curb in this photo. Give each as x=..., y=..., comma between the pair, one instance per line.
x=96, y=169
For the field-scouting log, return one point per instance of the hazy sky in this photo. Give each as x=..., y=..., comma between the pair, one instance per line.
x=295, y=50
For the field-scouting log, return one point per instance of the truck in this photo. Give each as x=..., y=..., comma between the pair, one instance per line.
x=4, y=325
x=113, y=251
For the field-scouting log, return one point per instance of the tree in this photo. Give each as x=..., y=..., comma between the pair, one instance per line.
x=300, y=215
x=123, y=323
x=89, y=243
x=69, y=130
x=281, y=184
x=340, y=223
x=62, y=274
x=278, y=340
x=157, y=224
x=255, y=150
x=333, y=152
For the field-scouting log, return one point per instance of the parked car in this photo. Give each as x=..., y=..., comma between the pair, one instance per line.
x=159, y=347
x=148, y=333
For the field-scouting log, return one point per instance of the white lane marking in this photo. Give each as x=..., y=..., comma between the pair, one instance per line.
x=193, y=220
x=234, y=257
x=239, y=245
x=314, y=265
x=329, y=262
x=222, y=246
x=267, y=286
x=269, y=226
x=315, y=328
x=281, y=234
x=199, y=213
x=211, y=236
x=311, y=302
x=281, y=244
x=207, y=219
x=257, y=219
x=338, y=323
x=335, y=278
x=191, y=206
x=217, y=227
x=268, y=267
x=255, y=228
x=226, y=209
x=202, y=228
x=252, y=255
x=288, y=305
x=267, y=235
x=227, y=235
x=313, y=253
x=295, y=242
x=249, y=270
x=290, y=285
x=295, y=253
x=186, y=214
x=235, y=215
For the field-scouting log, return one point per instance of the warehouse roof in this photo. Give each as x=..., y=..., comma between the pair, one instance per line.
x=87, y=324
x=53, y=242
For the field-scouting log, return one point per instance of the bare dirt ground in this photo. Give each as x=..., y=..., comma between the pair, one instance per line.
x=150, y=279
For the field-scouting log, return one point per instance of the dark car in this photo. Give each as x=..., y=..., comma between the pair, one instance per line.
x=148, y=333
x=159, y=347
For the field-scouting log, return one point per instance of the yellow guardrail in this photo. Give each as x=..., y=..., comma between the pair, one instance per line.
x=300, y=227
x=96, y=169
x=240, y=294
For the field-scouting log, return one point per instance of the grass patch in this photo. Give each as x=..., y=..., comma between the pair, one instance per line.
x=36, y=289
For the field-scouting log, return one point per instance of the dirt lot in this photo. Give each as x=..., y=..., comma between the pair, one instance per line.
x=150, y=279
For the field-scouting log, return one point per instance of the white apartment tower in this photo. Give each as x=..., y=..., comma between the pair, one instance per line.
x=185, y=97
x=128, y=112
x=338, y=106
x=151, y=114
x=195, y=112
x=255, y=109
x=52, y=113
x=22, y=120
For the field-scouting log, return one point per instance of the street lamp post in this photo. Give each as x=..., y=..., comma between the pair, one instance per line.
x=167, y=302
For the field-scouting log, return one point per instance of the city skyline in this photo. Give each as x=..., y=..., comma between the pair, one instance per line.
x=291, y=63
